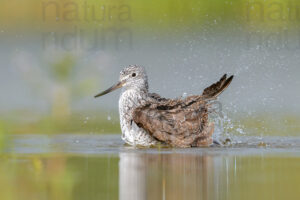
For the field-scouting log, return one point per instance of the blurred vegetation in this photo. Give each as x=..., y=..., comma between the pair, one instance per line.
x=2, y=134
x=61, y=15
x=60, y=84
x=76, y=123
x=61, y=70
x=276, y=124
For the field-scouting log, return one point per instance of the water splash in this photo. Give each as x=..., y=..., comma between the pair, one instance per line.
x=227, y=130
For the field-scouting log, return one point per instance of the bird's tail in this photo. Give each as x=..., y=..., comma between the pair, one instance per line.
x=217, y=88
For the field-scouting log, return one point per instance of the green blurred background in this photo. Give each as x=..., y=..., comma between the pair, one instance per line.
x=55, y=55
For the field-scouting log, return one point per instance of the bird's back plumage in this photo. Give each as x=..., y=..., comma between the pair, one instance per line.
x=180, y=122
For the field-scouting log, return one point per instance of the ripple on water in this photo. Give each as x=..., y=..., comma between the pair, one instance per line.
x=112, y=144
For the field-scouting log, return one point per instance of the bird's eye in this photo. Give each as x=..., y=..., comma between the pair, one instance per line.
x=133, y=74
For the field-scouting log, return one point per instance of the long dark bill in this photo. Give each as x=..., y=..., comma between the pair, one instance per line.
x=112, y=88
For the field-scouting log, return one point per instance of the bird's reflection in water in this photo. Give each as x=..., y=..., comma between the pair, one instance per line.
x=168, y=176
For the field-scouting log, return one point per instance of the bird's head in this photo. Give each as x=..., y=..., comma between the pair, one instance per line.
x=131, y=77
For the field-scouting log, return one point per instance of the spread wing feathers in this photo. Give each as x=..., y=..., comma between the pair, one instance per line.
x=209, y=93
x=180, y=122
x=217, y=88
x=177, y=127
x=190, y=102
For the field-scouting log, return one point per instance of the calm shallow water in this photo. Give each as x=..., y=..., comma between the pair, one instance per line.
x=102, y=167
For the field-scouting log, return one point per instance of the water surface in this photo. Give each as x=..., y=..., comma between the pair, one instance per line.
x=102, y=167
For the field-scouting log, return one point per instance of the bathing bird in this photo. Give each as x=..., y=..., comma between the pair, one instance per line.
x=148, y=119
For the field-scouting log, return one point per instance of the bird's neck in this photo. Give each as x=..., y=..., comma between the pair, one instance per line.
x=129, y=100
x=132, y=97
x=137, y=88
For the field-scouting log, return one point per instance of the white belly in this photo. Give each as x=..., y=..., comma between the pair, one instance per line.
x=131, y=133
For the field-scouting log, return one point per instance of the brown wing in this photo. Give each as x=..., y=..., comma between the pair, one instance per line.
x=180, y=122
x=217, y=88
x=208, y=94
x=180, y=127
x=157, y=97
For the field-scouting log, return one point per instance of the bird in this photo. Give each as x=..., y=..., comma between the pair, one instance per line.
x=147, y=119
